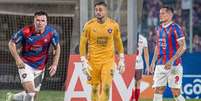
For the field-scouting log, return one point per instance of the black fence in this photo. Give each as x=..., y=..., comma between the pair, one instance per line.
x=9, y=24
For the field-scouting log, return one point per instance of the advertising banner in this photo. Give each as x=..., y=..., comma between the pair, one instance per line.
x=77, y=88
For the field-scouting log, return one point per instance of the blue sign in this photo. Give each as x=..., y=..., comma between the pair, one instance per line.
x=191, y=86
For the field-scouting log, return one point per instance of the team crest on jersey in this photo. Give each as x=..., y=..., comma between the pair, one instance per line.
x=109, y=30
x=45, y=40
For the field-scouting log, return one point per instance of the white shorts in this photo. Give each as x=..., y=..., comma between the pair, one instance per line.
x=139, y=63
x=30, y=74
x=172, y=77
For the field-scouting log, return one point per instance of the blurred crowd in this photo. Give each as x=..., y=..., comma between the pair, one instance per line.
x=151, y=19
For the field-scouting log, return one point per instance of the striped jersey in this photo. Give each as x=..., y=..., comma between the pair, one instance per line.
x=35, y=46
x=167, y=42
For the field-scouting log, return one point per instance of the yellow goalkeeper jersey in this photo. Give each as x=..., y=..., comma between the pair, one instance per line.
x=98, y=41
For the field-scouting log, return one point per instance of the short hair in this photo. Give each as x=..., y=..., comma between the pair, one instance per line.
x=39, y=13
x=169, y=9
x=100, y=3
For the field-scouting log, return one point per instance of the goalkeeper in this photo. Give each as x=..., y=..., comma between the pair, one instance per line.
x=100, y=36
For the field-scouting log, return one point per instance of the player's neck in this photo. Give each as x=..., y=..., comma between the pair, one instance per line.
x=40, y=31
x=101, y=21
x=167, y=23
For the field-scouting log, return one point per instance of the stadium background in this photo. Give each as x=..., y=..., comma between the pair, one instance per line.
x=68, y=17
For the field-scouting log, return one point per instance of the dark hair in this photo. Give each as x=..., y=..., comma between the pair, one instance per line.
x=39, y=13
x=100, y=3
x=170, y=9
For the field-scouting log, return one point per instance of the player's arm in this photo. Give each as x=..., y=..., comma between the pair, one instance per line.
x=83, y=43
x=83, y=50
x=146, y=56
x=119, y=48
x=156, y=51
x=118, y=41
x=16, y=38
x=182, y=45
x=154, y=58
x=180, y=51
x=14, y=53
x=56, y=53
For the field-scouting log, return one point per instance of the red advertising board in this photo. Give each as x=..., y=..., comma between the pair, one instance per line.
x=77, y=88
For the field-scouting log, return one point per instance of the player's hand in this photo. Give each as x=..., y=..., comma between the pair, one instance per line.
x=86, y=68
x=121, y=64
x=168, y=65
x=20, y=64
x=148, y=71
x=52, y=70
x=151, y=68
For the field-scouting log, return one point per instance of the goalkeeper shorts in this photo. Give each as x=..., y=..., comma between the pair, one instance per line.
x=101, y=73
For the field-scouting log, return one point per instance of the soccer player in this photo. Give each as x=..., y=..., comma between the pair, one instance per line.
x=169, y=48
x=100, y=36
x=139, y=65
x=35, y=41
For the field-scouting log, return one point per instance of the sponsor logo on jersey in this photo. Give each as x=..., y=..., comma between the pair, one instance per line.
x=45, y=40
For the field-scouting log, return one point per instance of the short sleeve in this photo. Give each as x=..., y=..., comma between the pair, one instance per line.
x=17, y=37
x=55, y=38
x=178, y=32
x=145, y=42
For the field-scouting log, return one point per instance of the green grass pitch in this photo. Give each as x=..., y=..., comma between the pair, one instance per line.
x=48, y=95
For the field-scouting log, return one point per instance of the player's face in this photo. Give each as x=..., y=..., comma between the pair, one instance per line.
x=40, y=22
x=100, y=12
x=165, y=15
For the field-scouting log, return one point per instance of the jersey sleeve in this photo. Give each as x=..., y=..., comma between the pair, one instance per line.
x=179, y=32
x=17, y=37
x=145, y=42
x=117, y=39
x=83, y=40
x=55, y=38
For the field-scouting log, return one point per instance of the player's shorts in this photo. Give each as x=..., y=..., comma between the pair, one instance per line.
x=172, y=77
x=139, y=63
x=101, y=73
x=30, y=74
x=139, y=66
x=138, y=74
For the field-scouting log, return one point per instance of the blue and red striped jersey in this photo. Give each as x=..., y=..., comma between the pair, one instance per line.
x=167, y=42
x=35, y=46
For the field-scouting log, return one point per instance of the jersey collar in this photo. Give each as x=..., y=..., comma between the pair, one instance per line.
x=165, y=26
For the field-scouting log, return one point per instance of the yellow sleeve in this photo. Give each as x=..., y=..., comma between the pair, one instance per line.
x=84, y=40
x=117, y=39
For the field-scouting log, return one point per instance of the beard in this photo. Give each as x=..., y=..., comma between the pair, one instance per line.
x=39, y=29
x=99, y=17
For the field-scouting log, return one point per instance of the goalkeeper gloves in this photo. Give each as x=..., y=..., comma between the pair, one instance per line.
x=86, y=68
x=121, y=64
